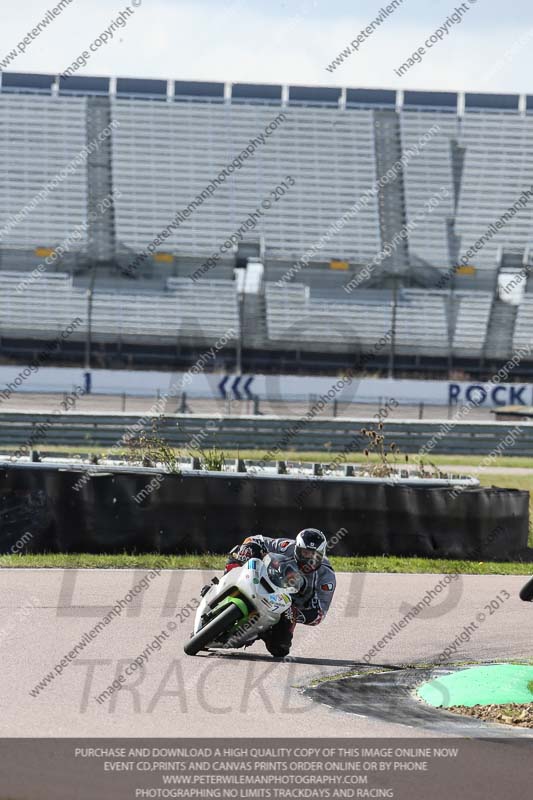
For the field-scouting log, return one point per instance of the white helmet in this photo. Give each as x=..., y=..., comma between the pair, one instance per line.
x=310, y=549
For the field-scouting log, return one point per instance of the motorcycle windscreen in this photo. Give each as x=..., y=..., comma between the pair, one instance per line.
x=283, y=572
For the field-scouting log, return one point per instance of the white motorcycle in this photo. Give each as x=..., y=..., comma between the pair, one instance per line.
x=247, y=601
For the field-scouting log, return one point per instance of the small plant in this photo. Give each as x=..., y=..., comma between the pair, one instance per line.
x=213, y=459
x=429, y=470
x=376, y=444
x=388, y=454
x=151, y=449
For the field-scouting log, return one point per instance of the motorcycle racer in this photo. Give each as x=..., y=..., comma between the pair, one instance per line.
x=312, y=602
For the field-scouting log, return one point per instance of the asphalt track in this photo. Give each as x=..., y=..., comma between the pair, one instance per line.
x=45, y=613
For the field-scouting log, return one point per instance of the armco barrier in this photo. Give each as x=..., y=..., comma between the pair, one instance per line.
x=63, y=511
x=263, y=432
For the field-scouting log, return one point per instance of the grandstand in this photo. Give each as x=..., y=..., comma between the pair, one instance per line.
x=37, y=139
x=172, y=157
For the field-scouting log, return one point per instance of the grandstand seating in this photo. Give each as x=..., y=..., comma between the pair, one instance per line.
x=296, y=318
x=472, y=318
x=173, y=138
x=497, y=168
x=165, y=154
x=422, y=322
x=424, y=177
x=523, y=333
x=40, y=136
x=44, y=308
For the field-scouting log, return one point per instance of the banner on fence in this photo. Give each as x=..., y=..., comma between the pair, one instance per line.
x=303, y=388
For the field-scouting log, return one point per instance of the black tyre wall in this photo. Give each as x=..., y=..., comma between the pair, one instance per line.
x=210, y=513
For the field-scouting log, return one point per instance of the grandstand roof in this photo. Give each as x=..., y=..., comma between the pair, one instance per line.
x=183, y=90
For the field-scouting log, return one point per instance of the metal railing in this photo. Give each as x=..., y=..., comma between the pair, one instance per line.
x=263, y=432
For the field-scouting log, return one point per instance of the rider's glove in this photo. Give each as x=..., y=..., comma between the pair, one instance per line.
x=249, y=550
x=292, y=615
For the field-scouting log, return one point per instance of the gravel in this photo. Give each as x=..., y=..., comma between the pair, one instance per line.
x=519, y=714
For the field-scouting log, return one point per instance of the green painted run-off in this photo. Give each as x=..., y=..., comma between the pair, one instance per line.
x=496, y=683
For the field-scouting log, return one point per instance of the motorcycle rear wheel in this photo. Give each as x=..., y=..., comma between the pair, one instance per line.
x=220, y=624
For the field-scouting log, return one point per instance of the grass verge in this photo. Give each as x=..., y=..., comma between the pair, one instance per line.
x=390, y=564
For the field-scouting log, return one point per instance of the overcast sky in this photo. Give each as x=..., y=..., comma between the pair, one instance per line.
x=283, y=41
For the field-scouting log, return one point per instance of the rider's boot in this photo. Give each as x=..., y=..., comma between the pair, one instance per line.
x=278, y=640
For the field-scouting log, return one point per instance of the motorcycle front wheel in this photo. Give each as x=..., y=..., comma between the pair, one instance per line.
x=219, y=625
